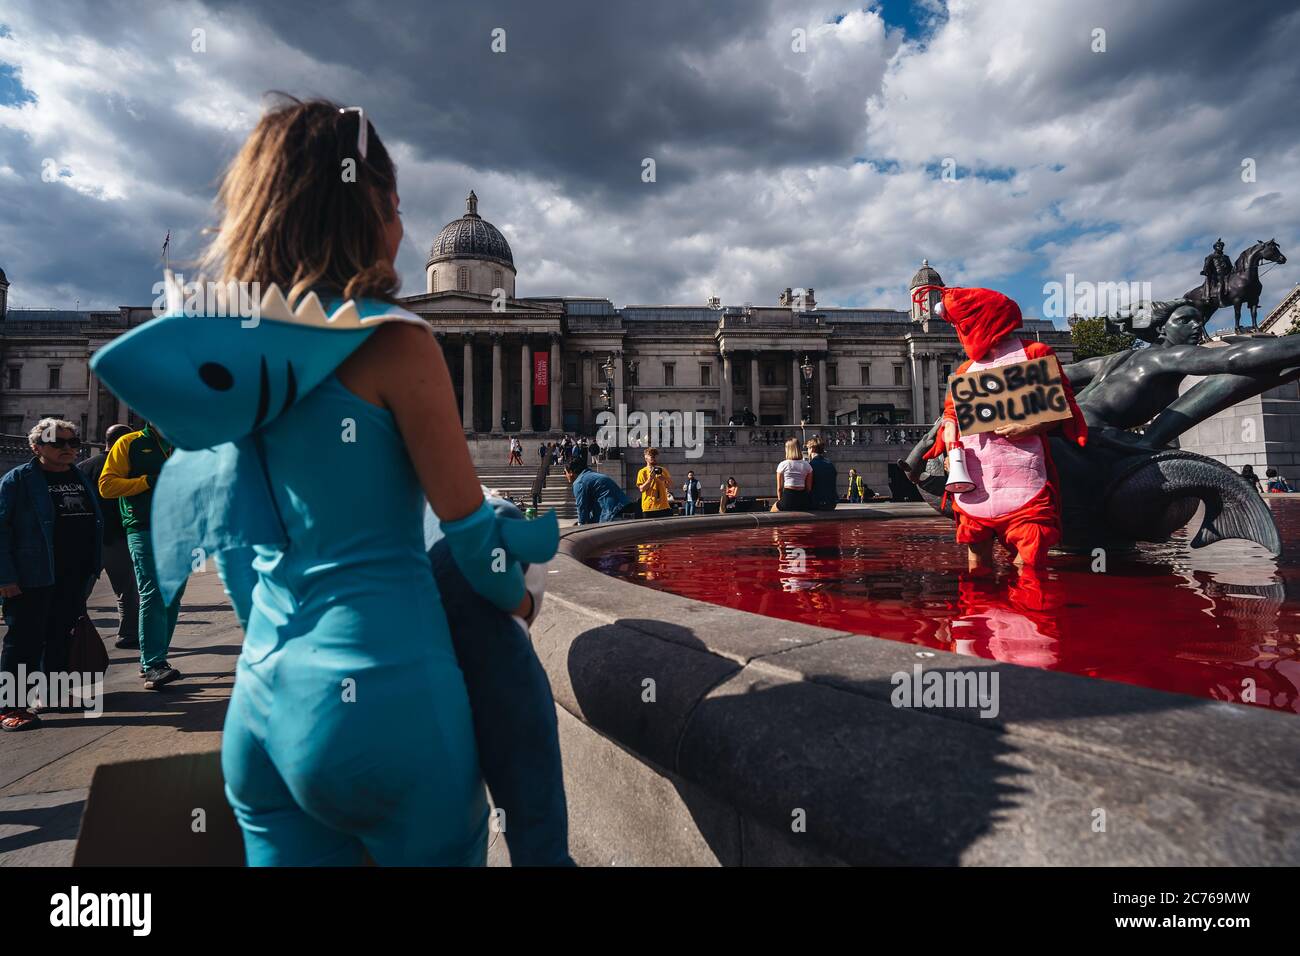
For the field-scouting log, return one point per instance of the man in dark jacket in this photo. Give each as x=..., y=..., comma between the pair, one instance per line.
x=50, y=539
x=825, y=495
x=117, y=556
x=598, y=497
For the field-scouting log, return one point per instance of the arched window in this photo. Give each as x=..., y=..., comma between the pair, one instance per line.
x=496, y=280
x=433, y=280
x=462, y=278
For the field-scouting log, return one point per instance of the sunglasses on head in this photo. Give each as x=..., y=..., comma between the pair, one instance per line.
x=62, y=443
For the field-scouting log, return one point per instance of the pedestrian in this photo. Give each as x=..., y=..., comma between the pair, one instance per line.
x=598, y=497
x=824, y=493
x=1248, y=473
x=730, y=491
x=692, y=494
x=539, y=480
x=855, y=486
x=129, y=473
x=1276, y=483
x=653, y=481
x=793, y=480
x=117, y=556
x=51, y=535
x=516, y=453
x=349, y=734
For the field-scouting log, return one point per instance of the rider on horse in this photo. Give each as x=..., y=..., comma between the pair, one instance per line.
x=1216, y=270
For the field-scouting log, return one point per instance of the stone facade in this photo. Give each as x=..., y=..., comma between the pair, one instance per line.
x=1285, y=315
x=790, y=362
x=1263, y=432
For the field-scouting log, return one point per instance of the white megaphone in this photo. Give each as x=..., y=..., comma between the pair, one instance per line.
x=958, y=479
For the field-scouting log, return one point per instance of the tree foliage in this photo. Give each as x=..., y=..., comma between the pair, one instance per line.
x=1091, y=338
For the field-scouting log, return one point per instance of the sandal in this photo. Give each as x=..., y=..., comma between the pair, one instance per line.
x=18, y=719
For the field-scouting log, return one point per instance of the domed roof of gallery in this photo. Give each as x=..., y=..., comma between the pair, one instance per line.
x=925, y=276
x=471, y=237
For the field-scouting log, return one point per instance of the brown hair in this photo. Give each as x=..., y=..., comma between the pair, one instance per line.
x=815, y=445
x=289, y=217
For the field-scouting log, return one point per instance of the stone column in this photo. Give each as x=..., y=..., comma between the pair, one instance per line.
x=796, y=398
x=92, y=408
x=918, y=410
x=525, y=386
x=467, y=387
x=936, y=400
x=824, y=413
x=495, y=428
x=725, y=398
x=618, y=381
x=556, y=385
x=586, y=392
x=754, y=394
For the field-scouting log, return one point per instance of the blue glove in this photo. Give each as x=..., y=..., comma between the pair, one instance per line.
x=489, y=549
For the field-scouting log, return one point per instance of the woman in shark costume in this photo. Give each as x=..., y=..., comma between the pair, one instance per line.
x=312, y=437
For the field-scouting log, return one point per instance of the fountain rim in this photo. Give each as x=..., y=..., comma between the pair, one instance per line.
x=594, y=627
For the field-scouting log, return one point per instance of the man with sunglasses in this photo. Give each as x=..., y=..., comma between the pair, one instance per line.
x=51, y=535
x=129, y=474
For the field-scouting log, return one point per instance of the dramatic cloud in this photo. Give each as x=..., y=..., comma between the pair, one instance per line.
x=795, y=143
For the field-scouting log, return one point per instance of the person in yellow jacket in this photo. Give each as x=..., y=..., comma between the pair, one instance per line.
x=129, y=474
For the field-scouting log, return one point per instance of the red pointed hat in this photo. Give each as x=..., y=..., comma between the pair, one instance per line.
x=980, y=316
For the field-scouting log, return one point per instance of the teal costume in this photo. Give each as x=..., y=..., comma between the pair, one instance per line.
x=349, y=731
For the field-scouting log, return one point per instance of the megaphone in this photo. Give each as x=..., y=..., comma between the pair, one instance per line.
x=958, y=478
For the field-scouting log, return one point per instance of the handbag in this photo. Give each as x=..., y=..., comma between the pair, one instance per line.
x=86, y=651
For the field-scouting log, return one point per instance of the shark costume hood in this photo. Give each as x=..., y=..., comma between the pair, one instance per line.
x=210, y=384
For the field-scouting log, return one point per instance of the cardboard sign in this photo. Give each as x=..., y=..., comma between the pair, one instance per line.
x=1019, y=393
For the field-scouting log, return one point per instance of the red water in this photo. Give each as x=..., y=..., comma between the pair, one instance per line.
x=1221, y=622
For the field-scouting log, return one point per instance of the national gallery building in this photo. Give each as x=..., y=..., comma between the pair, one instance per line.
x=543, y=364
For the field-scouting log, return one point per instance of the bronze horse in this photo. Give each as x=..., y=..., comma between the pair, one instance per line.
x=1243, y=284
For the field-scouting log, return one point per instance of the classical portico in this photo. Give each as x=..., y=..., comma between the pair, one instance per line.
x=490, y=356
x=763, y=354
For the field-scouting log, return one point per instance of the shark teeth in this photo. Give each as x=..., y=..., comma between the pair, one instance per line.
x=309, y=311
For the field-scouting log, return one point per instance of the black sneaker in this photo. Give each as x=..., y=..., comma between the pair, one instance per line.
x=126, y=642
x=160, y=674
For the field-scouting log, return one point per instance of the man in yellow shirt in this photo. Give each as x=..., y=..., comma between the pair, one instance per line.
x=653, y=482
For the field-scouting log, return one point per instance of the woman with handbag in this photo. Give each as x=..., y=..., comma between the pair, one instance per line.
x=730, y=492
x=51, y=535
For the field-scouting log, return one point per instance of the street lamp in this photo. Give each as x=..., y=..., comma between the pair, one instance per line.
x=807, y=369
x=607, y=371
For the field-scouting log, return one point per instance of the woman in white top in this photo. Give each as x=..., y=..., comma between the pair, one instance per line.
x=793, y=480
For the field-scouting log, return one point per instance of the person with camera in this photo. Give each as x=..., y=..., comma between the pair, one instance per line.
x=653, y=481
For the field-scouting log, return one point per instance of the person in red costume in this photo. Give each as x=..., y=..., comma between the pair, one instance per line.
x=1017, y=496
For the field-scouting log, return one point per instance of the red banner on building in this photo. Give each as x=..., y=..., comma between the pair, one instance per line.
x=541, y=378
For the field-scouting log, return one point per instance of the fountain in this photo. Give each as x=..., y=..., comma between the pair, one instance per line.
x=728, y=685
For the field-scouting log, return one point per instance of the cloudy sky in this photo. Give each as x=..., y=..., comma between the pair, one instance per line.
x=796, y=143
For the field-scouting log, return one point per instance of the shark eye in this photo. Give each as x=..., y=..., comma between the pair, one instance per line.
x=216, y=376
